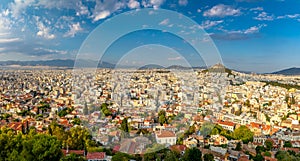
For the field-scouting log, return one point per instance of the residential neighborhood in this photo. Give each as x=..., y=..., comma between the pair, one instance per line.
x=231, y=115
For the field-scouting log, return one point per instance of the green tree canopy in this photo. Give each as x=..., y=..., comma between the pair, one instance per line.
x=41, y=147
x=171, y=156
x=121, y=156
x=208, y=157
x=287, y=144
x=193, y=154
x=269, y=145
x=243, y=133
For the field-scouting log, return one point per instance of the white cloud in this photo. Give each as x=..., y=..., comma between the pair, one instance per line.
x=105, y=8
x=101, y=15
x=264, y=16
x=250, y=30
x=61, y=52
x=199, y=10
x=254, y=29
x=248, y=33
x=176, y=58
x=294, y=16
x=18, y=7
x=154, y=3
x=208, y=24
x=222, y=10
x=132, y=4
x=74, y=29
x=257, y=9
x=44, y=31
x=183, y=2
x=65, y=4
x=5, y=22
x=9, y=40
x=164, y=22
x=3, y=34
x=81, y=9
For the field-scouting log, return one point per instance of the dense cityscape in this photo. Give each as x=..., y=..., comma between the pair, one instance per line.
x=222, y=115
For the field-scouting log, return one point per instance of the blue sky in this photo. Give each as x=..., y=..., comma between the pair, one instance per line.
x=251, y=35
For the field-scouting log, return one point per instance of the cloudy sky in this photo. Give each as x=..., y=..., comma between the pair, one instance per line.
x=251, y=35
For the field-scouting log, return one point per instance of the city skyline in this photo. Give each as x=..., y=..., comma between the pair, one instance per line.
x=251, y=35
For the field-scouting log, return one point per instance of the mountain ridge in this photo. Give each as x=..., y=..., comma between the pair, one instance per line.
x=288, y=71
x=69, y=63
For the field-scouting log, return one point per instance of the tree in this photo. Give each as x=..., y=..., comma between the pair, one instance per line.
x=9, y=143
x=171, y=156
x=269, y=145
x=268, y=154
x=73, y=157
x=268, y=118
x=258, y=157
x=243, y=133
x=150, y=156
x=247, y=103
x=259, y=149
x=76, y=121
x=215, y=131
x=78, y=138
x=105, y=110
x=62, y=113
x=208, y=157
x=206, y=128
x=282, y=156
x=121, y=156
x=162, y=118
x=192, y=129
x=56, y=130
x=41, y=147
x=238, y=146
x=124, y=125
x=287, y=144
x=193, y=154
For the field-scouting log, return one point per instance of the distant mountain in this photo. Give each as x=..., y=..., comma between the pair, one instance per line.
x=58, y=63
x=151, y=66
x=290, y=71
x=178, y=67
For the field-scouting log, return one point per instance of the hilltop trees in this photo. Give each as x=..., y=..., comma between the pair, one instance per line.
x=243, y=133
x=287, y=144
x=162, y=118
x=193, y=154
x=32, y=146
x=41, y=147
x=208, y=157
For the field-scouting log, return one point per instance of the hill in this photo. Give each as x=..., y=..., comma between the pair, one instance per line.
x=290, y=71
x=218, y=68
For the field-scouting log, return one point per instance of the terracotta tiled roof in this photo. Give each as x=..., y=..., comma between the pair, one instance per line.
x=243, y=158
x=116, y=148
x=269, y=159
x=96, y=155
x=227, y=123
x=179, y=148
x=164, y=133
